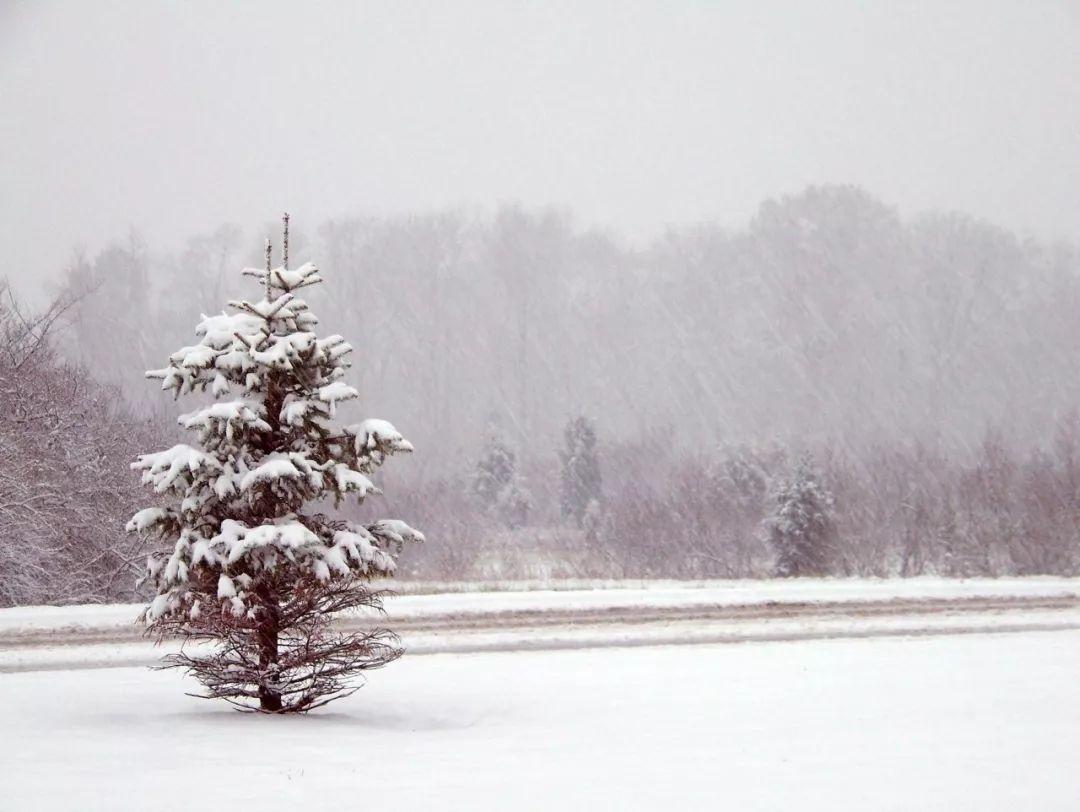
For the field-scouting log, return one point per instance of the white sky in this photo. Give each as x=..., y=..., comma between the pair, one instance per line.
x=174, y=118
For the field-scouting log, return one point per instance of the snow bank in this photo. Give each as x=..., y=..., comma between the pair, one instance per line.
x=75, y=618
x=662, y=594
x=729, y=593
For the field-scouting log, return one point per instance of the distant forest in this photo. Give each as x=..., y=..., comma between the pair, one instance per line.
x=915, y=380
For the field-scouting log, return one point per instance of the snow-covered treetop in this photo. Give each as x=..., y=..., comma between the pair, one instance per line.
x=265, y=447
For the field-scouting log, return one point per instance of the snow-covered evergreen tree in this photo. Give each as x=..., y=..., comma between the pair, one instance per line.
x=256, y=569
x=580, y=483
x=497, y=483
x=802, y=531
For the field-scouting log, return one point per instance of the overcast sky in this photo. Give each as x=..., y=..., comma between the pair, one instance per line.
x=174, y=118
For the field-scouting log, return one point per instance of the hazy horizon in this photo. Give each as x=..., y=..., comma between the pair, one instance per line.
x=174, y=119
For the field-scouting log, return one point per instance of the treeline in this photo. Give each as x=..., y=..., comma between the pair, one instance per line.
x=828, y=316
x=739, y=512
x=832, y=390
x=593, y=509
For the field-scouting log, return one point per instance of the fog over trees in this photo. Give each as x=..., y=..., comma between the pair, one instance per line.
x=926, y=364
x=828, y=316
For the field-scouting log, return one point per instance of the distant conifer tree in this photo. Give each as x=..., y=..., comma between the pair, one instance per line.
x=801, y=530
x=497, y=483
x=581, y=481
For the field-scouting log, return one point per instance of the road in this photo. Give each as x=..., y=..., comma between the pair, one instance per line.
x=435, y=624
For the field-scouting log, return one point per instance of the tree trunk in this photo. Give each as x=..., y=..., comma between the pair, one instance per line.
x=267, y=633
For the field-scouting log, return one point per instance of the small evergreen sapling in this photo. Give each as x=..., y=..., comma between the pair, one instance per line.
x=253, y=572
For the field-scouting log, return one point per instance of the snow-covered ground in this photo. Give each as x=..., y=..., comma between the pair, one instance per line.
x=987, y=722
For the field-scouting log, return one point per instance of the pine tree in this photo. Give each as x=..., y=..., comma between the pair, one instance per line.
x=497, y=483
x=251, y=572
x=495, y=470
x=802, y=531
x=580, y=484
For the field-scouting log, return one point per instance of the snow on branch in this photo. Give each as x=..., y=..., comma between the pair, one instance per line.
x=174, y=468
x=378, y=435
x=287, y=281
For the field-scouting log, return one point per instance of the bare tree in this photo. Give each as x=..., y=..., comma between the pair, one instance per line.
x=62, y=492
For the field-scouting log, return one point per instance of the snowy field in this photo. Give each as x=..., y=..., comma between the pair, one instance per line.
x=987, y=722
